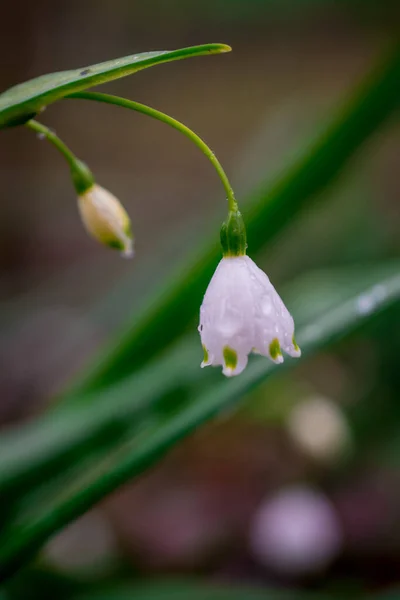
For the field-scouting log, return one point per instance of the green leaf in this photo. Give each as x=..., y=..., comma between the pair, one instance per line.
x=24, y=101
x=64, y=499
x=390, y=595
x=182, y=590
x=34, y=583
x=39, y=582
x=58, y=437
x=176, y=303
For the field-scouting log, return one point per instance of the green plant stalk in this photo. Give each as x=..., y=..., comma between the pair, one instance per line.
x=28, y=533
x=47, y=133
x=160, y=116
x=174, y=306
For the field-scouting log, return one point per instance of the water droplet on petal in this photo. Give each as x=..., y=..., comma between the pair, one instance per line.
x=266, y=307
x=228, y=328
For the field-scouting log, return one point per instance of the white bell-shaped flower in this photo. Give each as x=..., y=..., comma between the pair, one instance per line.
x=243, y=313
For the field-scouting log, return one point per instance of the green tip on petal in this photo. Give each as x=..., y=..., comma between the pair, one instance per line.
x=115, y=244
x=295, y=344
x=230, y=358
x=205, y=359
x=275, y=349
x=128, y=229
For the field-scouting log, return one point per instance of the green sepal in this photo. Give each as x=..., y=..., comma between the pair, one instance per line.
x=233, y=235
x=82, y=177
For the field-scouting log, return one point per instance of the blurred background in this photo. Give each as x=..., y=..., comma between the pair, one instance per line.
x=300, y=487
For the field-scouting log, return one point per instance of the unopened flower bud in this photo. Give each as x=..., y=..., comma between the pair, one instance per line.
x=106, y=219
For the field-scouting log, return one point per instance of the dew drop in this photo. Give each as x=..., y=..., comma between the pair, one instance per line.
x=367, y=302
x=266, y=306
x=228, y=328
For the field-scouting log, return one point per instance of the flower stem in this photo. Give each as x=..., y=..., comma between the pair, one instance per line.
x=80, y=173
x=156, y=114
x=44, y=131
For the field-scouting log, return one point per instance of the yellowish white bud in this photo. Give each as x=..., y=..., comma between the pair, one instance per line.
x=106, y=219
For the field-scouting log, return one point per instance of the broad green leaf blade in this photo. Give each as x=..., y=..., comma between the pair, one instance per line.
x=22, y=102
x=166, y=315
x=47, y=514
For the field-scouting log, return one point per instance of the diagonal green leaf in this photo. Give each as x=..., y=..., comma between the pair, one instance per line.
x=22, y=102
x=104, y=472
x=32, y=452
x=56, y=438
x=166, y=315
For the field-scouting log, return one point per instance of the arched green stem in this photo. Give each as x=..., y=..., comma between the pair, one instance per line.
x=156, y=114
x=81, y=174
x=47, y=133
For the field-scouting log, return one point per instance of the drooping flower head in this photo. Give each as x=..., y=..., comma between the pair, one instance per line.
x=241, y=311
x=102, y=213
x=106, y=219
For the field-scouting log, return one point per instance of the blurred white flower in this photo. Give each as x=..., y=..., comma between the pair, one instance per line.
x=106, y=219
x=297, y=531
x=320, y=428
x=243, y=313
